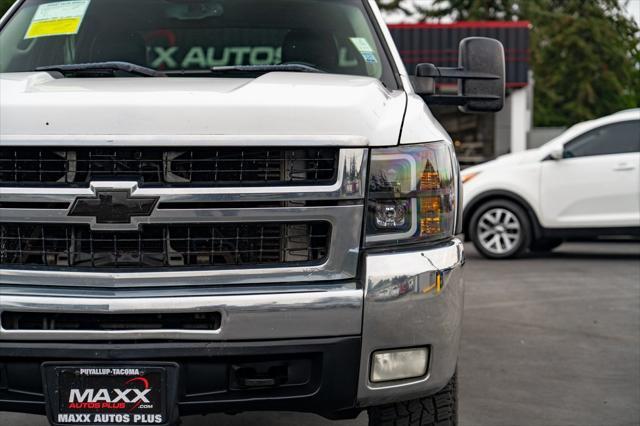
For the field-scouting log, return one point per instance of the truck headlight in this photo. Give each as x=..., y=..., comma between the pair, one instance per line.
x=412, y=194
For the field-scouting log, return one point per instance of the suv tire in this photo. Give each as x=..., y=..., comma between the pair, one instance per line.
x=439, y=409
x=500, y=229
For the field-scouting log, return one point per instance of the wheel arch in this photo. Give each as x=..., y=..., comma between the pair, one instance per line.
x=499, y=194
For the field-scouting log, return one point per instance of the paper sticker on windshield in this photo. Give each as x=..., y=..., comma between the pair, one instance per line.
x=58, y=18
x=365, y=49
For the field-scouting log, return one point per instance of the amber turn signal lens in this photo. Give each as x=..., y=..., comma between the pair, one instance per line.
x=430, y=225
x=430, y=211
x=430, y=205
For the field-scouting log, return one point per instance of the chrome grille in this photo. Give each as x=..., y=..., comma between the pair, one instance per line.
x=213, y=245
x=271, y=232
x=151, y=166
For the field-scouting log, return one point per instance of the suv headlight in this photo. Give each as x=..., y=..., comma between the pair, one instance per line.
x=412, y=194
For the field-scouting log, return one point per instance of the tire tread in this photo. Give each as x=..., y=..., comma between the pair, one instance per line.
x=439, y=409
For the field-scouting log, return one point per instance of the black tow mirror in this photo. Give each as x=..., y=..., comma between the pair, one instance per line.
x=480, y=74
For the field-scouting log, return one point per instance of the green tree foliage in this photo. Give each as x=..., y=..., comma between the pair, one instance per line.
x=473, y=10
x=585, y=53
x=586, y=60
x=392, y=5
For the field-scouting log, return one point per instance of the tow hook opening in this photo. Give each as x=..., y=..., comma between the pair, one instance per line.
x=255, y=375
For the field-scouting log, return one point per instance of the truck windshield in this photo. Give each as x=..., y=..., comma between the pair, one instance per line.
x=189, y=37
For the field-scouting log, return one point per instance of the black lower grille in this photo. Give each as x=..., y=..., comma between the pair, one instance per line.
x=164, y=246
x=187, y=166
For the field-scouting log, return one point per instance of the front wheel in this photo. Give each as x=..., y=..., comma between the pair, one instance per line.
x=500, y=229
x=439, y=409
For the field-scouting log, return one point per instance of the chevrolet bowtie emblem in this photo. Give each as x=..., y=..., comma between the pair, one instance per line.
x=113, y=206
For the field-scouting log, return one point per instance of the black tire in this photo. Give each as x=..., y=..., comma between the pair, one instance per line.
x=545, y=245
x=524, y=238
x=439, y=409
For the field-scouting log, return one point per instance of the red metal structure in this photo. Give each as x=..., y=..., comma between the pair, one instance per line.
x=438, y=44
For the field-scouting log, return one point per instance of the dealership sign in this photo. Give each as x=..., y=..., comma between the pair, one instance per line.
x=201, y=57
x=108, y=395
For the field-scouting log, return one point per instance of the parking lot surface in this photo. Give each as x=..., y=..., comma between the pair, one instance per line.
x=548, y=340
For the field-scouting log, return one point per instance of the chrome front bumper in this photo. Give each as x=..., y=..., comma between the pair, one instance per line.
x=412, y=299
x=406, y=299
x=246, y=314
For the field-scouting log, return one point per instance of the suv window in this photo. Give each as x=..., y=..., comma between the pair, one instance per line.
x=618, y=138
x=336, y=36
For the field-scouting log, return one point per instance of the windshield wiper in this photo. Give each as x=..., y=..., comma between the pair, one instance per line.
x=103, y=66
x=266, y=68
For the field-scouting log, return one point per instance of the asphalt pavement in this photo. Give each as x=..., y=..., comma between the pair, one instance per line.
x=548, y=340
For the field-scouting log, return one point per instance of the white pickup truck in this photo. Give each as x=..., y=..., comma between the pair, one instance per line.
x=227, y=205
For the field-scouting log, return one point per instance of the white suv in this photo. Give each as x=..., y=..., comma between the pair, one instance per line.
x=583, y=184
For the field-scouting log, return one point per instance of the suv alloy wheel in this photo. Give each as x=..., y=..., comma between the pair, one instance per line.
x=500, y=229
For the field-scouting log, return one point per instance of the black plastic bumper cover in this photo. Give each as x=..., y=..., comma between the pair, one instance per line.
x=206, y=373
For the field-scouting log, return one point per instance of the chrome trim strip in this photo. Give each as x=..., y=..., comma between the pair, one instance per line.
x=257, y=316
x=159, y=216
x=145, y=293
x=350, y=184
x=185, y=140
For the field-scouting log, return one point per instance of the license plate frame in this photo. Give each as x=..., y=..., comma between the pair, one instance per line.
x=58, y=377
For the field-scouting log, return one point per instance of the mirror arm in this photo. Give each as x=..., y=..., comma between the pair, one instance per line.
x=456, y=99
x=457, y=73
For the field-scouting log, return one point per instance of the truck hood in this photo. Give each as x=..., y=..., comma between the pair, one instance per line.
x=276, y=107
